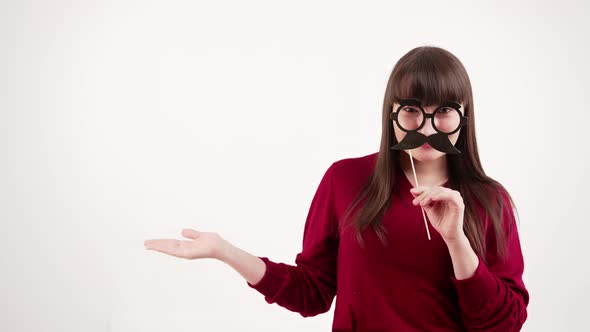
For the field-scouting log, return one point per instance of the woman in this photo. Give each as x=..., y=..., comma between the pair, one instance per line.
x=366, y=238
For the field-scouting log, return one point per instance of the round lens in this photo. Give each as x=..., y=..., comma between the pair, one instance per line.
x=447, y=119
x=410, y=117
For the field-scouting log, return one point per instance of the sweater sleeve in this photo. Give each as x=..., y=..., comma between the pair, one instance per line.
x=495, y=297
x=309, y=286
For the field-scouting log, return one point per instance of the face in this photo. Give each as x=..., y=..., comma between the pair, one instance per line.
x=424, y=152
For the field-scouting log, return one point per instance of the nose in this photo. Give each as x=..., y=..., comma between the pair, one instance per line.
x=427, y=128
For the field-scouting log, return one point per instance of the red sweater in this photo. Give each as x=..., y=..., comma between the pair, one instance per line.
x=408, y=286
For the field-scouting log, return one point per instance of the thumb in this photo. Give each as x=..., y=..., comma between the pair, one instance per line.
x=191, y=233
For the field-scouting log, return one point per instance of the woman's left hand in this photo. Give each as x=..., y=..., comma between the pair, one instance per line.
x=444, y=208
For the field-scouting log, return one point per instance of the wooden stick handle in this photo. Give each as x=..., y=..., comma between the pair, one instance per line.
x=416, y=180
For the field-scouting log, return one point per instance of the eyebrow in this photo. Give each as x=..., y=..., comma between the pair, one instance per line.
x=415, y=101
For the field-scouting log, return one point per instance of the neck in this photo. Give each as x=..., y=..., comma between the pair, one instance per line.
x=429, y=173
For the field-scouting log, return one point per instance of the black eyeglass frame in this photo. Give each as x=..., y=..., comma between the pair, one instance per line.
x=415, y=102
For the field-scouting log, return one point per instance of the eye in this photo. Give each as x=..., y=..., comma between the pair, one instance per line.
x=445, y=110
x=410, y=110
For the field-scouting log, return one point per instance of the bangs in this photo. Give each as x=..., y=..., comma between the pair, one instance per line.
x=431, y=78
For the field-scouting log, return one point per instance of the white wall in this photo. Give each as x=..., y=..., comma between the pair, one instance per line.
x=127, y=120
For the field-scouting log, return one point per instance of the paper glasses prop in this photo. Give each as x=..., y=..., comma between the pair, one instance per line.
x=410, y=117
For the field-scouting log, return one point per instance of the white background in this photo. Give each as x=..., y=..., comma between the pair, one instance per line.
x=127, y=120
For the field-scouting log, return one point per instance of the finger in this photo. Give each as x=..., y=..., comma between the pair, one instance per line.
x=451, y=196
x=434, y=197
x=191, y=233
x=167, y=246
x=444, y=195
x=418, y=190
x=148, y=244
x=421, y=196
x=157, y=244
x=437, y=197
x=428, y=197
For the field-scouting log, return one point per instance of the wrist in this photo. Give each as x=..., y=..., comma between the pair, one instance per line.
x=457, y=241
x=224, y=251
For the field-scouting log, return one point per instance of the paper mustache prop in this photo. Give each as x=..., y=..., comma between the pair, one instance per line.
x=411, y=117
x=438, y=141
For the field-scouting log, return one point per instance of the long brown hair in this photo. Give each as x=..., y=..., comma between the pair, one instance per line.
x=433, y=75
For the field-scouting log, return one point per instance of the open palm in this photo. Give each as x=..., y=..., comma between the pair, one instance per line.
x=200, y=245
